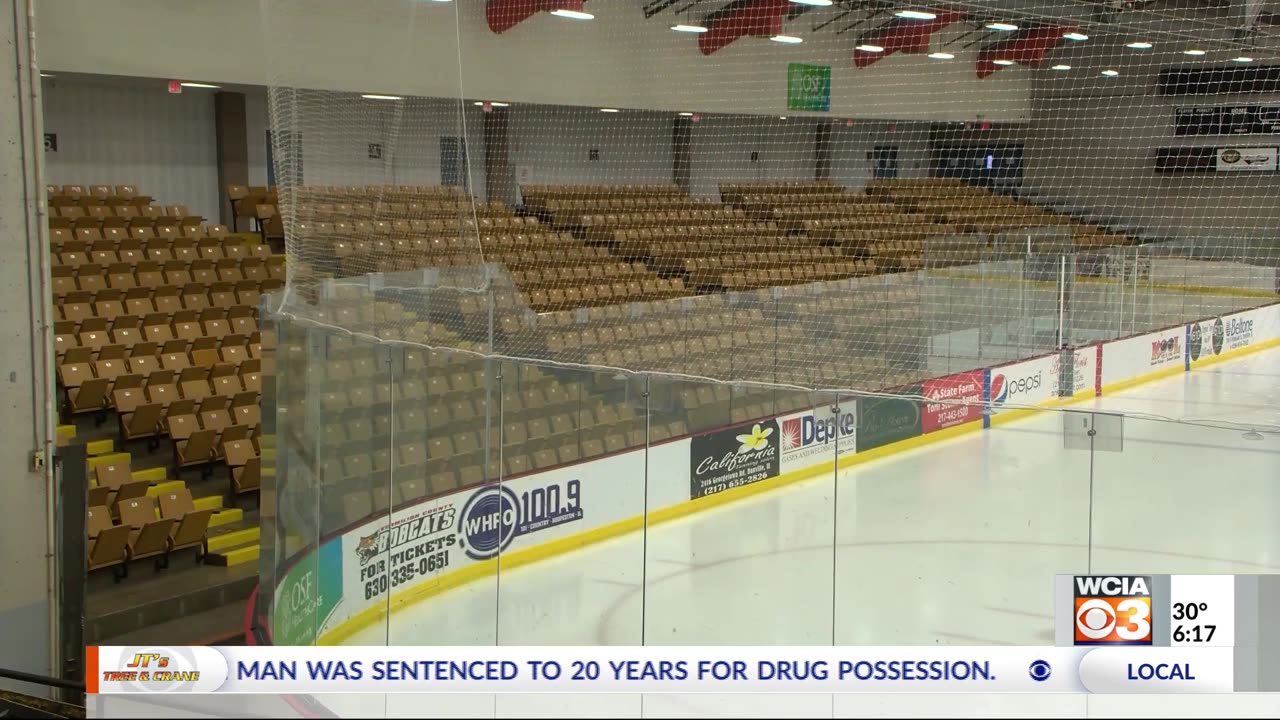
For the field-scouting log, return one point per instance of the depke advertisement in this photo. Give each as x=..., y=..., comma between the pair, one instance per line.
x=815, y=436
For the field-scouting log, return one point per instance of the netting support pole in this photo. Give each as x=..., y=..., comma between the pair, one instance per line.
x=1133, y=311
x=644, y=527
x=1062, y=302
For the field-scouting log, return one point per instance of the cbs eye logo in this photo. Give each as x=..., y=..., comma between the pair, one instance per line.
x=1112, y=611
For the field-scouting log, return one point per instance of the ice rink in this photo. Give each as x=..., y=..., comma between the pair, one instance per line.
x=953, y=543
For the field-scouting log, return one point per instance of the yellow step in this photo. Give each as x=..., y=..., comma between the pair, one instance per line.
x=100, y=447
x=94, y=462
x=211, y=502
x=239, y=556
x=232, y=539
x=225, y=517
x=151, y=475
x=66, y=432
x=165, y=487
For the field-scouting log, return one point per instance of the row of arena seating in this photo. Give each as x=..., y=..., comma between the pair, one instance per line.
x=156, y=328
x=154, y=276
x=442, y=416
x=690, y=246
x=172, y=232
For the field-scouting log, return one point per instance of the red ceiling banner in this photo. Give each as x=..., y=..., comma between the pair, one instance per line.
x=904, y=35
x=503, y=15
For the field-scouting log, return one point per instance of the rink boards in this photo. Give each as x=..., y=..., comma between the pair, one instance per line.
x=360, y=576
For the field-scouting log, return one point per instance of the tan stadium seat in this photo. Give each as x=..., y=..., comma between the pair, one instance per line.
x=191, y=528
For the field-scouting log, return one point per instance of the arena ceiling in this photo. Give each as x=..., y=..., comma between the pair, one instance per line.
x=1240, y=24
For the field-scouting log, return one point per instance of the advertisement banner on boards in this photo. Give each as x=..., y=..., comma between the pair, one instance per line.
x=952, y=400
x=307, y=596
x=1084, y=371
x=1023, y=384
x=1209, y=338
x=421, y=542
x=814, y=436
x=885, y=419
x=1134, y=357
x=732, y=457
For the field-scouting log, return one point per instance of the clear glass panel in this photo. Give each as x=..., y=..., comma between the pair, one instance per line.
x=1183, y=497
x=578, y=524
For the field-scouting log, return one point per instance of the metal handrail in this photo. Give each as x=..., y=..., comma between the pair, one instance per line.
x=41, y=679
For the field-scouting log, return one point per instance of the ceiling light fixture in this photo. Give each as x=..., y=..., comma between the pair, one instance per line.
x=1110, y=73
x=1194, y=51
x=46, y=75
x=686, y=114
x=1061, y=67
x=782, y=117
x=608, y=109
x=815, y=3
x=1242, y=59
x=1003, y=62
x=788, y=39
x=941, y=56
x=375, y=96
x=480, y=103
x=1139, y=45
x=870, y=48
x=689, y=28
x=916, y=15
x=573, y=14
x=1002, y=26
x=1078, y=37
x=201, y=85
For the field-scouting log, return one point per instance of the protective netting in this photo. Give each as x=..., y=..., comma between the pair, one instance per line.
x=818, y=195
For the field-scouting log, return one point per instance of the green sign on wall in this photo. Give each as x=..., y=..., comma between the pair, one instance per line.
x=307, y=596
x=808, y=87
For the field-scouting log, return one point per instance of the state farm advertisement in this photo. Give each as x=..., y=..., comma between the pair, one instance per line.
x=952, y=400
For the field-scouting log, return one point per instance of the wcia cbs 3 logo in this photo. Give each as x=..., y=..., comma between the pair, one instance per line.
x=1112, y=609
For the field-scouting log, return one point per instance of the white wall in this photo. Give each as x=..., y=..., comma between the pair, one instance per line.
x=553, y=145
x=721, y=148
x=336, y=129
x=1099, y=152
x=122, y=133
x=850, y=166
x=446, y=50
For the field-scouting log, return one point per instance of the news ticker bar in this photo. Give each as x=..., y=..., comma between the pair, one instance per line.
x=304, y=670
